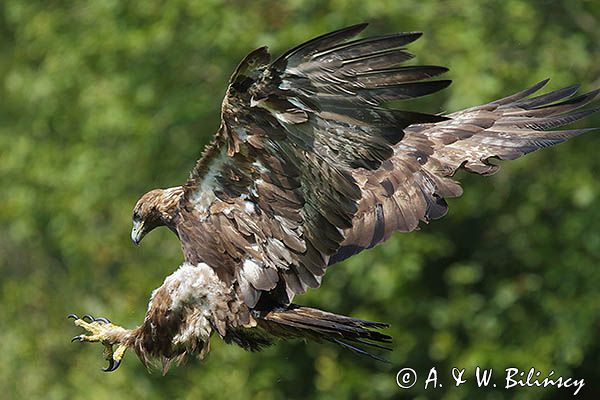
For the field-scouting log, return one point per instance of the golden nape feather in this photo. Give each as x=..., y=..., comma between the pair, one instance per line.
x=308, y=168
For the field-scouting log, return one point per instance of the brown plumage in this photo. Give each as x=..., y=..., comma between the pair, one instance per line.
x=308, y=168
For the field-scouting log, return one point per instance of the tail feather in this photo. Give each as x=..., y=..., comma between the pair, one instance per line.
x=360, y=351
x=296, y=321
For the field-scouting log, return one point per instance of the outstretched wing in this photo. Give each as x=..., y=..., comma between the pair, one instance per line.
x=411, y=185
x=267, y=203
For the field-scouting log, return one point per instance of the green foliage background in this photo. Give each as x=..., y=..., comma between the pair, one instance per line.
x=101, y=101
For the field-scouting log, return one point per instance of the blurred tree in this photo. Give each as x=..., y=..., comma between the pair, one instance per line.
x=104, y=100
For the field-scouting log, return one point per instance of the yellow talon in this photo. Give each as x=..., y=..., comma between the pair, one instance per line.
x=103, y=331
x=119, y=353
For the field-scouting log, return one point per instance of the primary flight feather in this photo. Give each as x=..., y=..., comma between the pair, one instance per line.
x=308, y=168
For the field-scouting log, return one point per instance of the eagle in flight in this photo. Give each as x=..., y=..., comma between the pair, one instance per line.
x=308, y=168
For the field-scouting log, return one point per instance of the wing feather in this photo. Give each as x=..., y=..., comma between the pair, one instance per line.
x=268, y=203
x=411, y=186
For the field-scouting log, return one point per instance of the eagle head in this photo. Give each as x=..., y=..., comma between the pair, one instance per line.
x=156, y=208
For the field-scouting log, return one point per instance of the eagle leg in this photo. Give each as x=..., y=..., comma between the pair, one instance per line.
x=103, y=331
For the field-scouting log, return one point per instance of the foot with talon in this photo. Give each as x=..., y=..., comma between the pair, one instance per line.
x=103, y=331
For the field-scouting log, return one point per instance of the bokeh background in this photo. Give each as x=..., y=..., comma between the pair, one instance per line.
x=101, y=101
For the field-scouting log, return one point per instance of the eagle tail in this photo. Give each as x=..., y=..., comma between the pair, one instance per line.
x=354, y=334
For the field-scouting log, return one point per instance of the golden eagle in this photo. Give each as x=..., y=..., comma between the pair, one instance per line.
x=308, y=168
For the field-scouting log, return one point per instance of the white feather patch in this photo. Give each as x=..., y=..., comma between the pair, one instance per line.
x=196, y=288
x=249, y=207
x=204, y=196
x=251, y=270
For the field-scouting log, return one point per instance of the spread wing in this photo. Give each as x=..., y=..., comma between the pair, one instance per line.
x=411, y=185
x=267, y=204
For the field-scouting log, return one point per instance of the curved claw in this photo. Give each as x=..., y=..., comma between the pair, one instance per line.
x=102, y=319
x=112, y=365
x=72, y=316
x=87, y=317
x=78, y=338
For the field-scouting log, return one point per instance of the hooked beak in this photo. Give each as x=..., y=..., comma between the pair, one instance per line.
x=137, y=232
